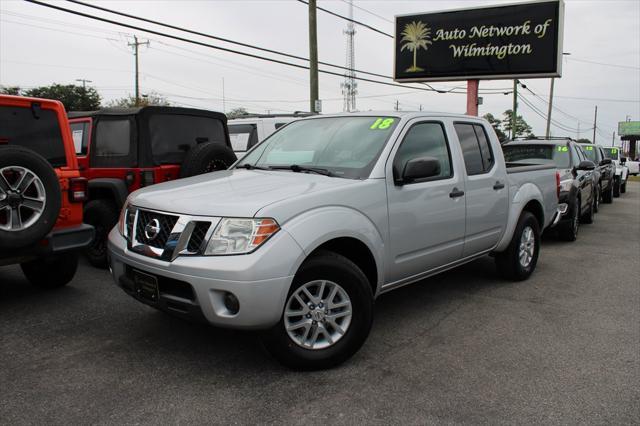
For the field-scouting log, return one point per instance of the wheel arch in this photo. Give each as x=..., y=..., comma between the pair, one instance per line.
x=108, y=188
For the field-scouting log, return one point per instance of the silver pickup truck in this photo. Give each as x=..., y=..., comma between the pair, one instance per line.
x=302, y=234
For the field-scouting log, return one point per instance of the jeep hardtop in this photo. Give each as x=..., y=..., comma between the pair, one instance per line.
x=121, y=150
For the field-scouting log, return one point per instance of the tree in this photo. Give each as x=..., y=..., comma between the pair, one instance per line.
x=237, y=113
x=521, y=128
x=497, y=126
x=149, y=99
x=10, y=90
x=74, y=98
x=415, y=35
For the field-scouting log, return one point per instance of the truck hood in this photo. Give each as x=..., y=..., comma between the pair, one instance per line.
x=235, y=193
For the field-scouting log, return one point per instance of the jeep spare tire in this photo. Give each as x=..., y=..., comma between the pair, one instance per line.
x=205, y=158
x=29, y=197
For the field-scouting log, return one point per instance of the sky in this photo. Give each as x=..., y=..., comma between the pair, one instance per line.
x=40, y=46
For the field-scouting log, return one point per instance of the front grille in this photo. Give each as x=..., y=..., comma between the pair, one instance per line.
x=165, y=222
x=197, y=236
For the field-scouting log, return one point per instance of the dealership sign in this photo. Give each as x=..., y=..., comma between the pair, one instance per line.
x=499, y=42
x=629, y=128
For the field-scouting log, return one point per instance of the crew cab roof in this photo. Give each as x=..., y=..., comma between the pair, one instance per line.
x=147, y=110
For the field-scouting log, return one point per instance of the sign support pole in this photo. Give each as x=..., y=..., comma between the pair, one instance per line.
x=514, y=111
x=472, y=97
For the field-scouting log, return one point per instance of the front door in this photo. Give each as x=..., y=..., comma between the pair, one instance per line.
x=426, y=217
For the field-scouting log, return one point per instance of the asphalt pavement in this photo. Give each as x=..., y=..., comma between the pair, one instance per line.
x=461, y=347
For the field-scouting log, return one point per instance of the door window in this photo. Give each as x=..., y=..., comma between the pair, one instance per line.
x=80, y=133
x=478, y=157
x=243, y=136
x=424, y=140
x=112, y=138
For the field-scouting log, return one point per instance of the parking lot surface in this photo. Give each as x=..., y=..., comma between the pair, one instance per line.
x=461, y=347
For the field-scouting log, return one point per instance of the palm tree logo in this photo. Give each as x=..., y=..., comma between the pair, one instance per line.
x=415, y=35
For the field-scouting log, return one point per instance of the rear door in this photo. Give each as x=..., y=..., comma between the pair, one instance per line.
x=426, y=221
x=486, y=190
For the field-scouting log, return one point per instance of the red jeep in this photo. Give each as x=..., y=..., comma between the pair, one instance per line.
x=123, y=149
x=41, y=191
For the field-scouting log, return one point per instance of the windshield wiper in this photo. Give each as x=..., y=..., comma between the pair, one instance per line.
x=297, y=169
x=252, y=167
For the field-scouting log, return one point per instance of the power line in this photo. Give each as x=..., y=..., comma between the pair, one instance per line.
x=631, y=67
x=371, y=13
x=349, y=19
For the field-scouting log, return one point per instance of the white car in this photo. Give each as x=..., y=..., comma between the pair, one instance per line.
x=621, y=170
x=247, y=132
x=634, y=167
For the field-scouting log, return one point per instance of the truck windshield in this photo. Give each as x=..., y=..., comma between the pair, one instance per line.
x=345, y=146
x=591, y=153
x=37, y=130
x=532, y=154
x=172, y=135
x=611, y=153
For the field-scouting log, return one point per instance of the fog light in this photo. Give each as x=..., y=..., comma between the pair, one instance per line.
x=231, y=303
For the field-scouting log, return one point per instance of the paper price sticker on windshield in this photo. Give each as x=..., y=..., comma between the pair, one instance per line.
x=563, y=149
x=382, y=123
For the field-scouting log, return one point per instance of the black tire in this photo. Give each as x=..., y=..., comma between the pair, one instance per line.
x=623, y=187
x=15, y=156
x=616, y=188
x=205, y=158
x=568, y=231
x=103, y=216
x=598, y=196
x=333, y=267
x=508, y=261
x=588, y=216
x=52, y=271
x=607, y=196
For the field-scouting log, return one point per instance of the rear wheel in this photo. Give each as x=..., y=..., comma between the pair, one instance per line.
x=568, y=231
x=616, y=188
x=598, y=196
x=103, y=215
x=52, y=271
x=519, y=260
x=589, y=215
x=607, y=197
x=327, y=315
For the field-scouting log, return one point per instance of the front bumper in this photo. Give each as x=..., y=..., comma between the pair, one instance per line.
x=196, y=286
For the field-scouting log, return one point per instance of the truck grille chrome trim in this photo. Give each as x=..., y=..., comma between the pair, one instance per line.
x=166, y=236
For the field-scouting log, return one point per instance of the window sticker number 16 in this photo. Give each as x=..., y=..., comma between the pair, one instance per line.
x=382, y=123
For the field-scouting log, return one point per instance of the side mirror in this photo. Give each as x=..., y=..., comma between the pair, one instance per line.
x=586, y=165
x=623, y=160
x=420, y=168
x=605, y=161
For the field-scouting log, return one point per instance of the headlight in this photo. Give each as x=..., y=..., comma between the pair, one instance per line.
x=565, y=185
x=122, y=220
x=240, y=236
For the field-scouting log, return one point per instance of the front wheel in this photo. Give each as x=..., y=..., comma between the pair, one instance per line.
x=52, y=271
x=607, y=197
x=616, y=188
x=568, y=231
x=327, y=315
x=103, y=216
x=519, y=260
x=589, y=215
x=623, y=187
x=598, y=196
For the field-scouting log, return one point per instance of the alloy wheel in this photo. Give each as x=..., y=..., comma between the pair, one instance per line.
x=527, y=247
x=22, y=198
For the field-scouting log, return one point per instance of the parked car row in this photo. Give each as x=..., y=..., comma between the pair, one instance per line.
x=588, y=174
x=302, y=234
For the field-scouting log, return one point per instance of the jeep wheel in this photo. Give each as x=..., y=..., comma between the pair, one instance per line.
x=29, y=197
x=52, y=271
x=327, y=315
x=206, y=158
x=519, y=260
x=568, y=231
x=103, y=216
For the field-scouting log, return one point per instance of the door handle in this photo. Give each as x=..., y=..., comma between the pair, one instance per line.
x=456, y=193
x=498, y=185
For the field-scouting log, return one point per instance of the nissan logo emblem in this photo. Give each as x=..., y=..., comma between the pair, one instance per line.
x=152, y=229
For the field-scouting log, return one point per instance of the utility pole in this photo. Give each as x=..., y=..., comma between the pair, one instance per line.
x=613, y=139
x=595, y=124
x=84, y=82
x=135, y=45
x=514, y=110
x=553, y=80
x=397, y=107
x=313, y=56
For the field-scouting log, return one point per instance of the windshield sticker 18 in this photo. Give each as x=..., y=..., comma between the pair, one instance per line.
x=382, y=123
